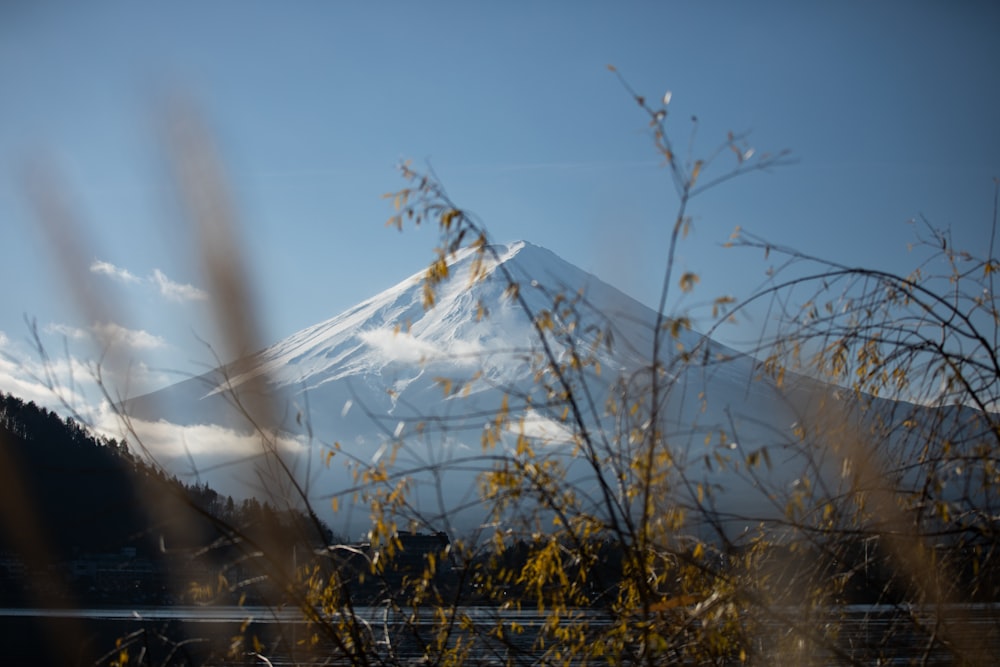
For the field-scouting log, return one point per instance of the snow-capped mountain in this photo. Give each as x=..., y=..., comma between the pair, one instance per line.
x=391, y=370
x=388, y=350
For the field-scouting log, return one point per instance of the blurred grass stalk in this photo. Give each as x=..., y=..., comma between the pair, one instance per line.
x=213, y=232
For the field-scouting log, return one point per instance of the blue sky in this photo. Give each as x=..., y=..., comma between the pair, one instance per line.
x=889, y=108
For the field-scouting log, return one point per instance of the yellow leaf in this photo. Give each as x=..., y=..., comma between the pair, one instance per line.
x=544, y=320
x=428, y=296
x=720, y=304
x=695, y=172
x=688, y=281
x=448, y=217
x=676, y=325
x=445, y=384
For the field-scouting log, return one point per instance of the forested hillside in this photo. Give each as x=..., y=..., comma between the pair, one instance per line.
x=85, y=520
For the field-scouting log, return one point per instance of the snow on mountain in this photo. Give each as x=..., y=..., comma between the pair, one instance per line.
x=393, y=333
x=379, y=373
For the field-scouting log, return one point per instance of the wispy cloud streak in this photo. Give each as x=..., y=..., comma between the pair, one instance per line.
x=115, y=272
x=176, y=291
x=66, y=330
x=109, y=333
x=168, y=289
x=138, y=339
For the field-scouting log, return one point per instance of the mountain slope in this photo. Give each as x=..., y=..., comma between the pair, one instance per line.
x=391, y=340
x=391, y=376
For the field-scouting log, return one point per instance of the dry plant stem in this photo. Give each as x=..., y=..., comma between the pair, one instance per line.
x=990, y=258
x=635, y=535
x=202, y=187
x=684, y=180
x=62, y=231
x=67, y=241
x=200, y=183
x=929, y=301
x=906, y=546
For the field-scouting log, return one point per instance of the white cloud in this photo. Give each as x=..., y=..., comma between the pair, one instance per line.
x=541, y=428
x=112, y=271
x=68, y=384
x=232, y=462
x=168, y=289
x=67, y=331
x=406, y=348
x=166, y=441
x=110, y=333
x=118, y=372
x=176, y=291
x=27, y=389
x=53, y=385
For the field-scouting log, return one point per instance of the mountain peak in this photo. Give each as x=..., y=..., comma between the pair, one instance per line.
x=392, y=338
x=397, y=326
x=390, y=356
x=470, y=321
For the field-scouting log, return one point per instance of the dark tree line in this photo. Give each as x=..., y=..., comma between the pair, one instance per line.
x=69, y=495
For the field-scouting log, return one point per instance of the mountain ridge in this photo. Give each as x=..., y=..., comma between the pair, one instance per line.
x=399, y=311
x=378, y=375
x=394, y=328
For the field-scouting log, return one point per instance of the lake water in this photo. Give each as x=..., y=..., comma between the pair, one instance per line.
x=195, y=635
